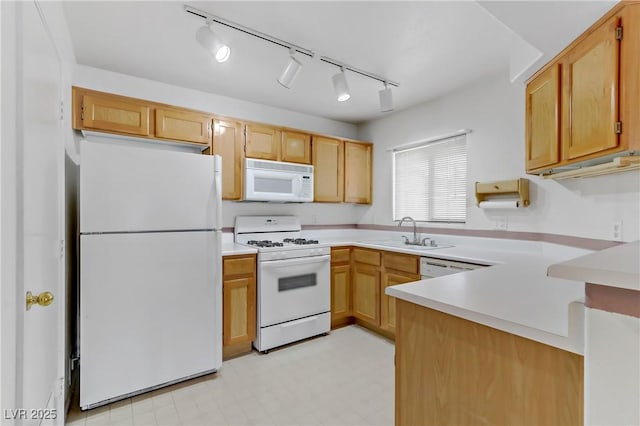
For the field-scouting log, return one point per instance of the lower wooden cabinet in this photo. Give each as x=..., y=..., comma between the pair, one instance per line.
x=340, y=286
x=398, y=268
x=388, y=303
x=239, y=304
x=366, y=293
x=454, y=371
x=363, y=282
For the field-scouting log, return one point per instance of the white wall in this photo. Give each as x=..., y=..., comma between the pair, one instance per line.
x=611, y=369
x=494, y=110
x=107, y=81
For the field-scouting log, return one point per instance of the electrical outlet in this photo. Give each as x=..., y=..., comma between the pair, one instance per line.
x=616, y=230
x=501, y=223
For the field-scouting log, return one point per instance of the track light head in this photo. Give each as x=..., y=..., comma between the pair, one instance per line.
x=291, y=71
x=386, y=99
x=340, y=86
x=211, y=43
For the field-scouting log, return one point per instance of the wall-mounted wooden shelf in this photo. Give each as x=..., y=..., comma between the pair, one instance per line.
x=519, y=188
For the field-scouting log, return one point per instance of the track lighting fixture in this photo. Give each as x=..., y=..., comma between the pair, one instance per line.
x=340, y=86
x=386, y=98
x=210, y=41
x=291, y=71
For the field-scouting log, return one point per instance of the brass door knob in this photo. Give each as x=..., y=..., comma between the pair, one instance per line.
x=43, y=299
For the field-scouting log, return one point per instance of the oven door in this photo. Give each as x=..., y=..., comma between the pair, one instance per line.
x=293, y=288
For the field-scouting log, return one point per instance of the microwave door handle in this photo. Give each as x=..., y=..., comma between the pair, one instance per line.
x=297, y=184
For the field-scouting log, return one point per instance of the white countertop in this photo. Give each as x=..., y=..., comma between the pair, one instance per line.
x=614, y=267
x=232, y=249
x=513, y=295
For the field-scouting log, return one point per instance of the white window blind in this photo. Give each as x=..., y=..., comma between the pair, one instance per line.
x=430, y=181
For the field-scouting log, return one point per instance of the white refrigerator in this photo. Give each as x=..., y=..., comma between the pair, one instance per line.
x=150, y=268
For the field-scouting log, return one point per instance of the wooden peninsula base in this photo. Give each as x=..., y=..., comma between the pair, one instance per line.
x=451, y=371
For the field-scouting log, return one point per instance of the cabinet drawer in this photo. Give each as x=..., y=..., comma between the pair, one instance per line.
x=370, y=257
x=401, y=262
x=340, y=255
x=238, y=265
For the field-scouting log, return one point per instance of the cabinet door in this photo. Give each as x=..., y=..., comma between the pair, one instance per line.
x=239, y=310
x=227, y=142
x=357, y=173
x=340, y=292
x=115, y=115
x=590, y=96
x=296, y=147
x=328, y=169
x=262, y=142
x=366, y=293
x=388, y=303
x=543, y=119
x=629, y=81
x=183, y=125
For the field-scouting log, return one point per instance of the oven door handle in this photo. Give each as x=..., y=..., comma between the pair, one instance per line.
x=295, y=261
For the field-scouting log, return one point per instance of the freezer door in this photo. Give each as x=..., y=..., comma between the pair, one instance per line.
x=127, y=188
x=150, y=311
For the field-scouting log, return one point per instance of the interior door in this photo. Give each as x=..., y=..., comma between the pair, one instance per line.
x=40, y=223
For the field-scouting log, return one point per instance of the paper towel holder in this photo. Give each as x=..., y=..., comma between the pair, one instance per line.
x=515, y=187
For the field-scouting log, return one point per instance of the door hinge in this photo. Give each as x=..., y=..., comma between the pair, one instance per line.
x=62, y=246
x=618, y=127
x=618, y=33
x=61, y=110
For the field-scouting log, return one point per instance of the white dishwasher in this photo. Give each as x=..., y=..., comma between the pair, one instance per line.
x=431, y=267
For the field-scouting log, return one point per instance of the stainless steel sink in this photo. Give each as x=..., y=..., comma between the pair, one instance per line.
x=401, y=244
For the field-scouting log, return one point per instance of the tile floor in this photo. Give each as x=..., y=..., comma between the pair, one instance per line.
x=346, y=378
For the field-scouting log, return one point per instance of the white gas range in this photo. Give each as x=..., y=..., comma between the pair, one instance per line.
x=294, y=292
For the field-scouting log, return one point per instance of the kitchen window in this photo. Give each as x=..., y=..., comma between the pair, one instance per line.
x=430, y=180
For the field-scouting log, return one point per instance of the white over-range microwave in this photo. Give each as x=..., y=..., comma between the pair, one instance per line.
x=266, y=180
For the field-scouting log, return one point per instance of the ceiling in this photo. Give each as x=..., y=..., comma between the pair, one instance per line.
x=430, y=48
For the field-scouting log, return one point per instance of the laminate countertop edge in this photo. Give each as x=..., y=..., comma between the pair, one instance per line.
x=613, y=267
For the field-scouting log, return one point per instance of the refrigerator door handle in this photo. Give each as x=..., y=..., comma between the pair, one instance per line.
x=217, y=177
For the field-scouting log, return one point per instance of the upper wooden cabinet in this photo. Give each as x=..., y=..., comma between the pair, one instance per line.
x=584, y=104
x=227, y=142
x=543, y=119
x=328, y=169
x=111, y=113
x=357, y=172
x=137, y=117
x=183, y=125
x=590, y=92
x=271, y=143
x=296, y=147
x=262, y=142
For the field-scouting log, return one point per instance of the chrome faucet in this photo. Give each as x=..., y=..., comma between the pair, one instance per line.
x=416, y=241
